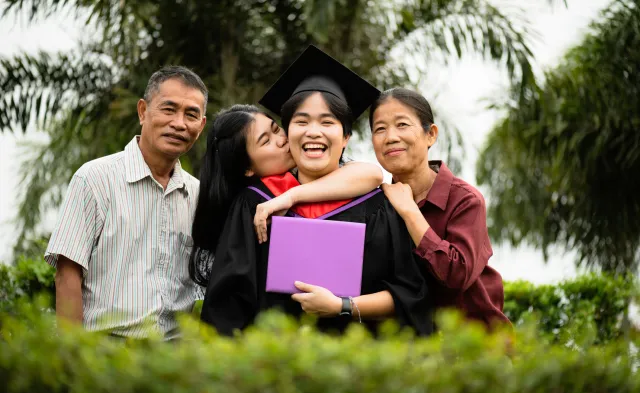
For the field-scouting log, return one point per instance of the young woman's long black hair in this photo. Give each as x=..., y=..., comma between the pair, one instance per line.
x=222, y=177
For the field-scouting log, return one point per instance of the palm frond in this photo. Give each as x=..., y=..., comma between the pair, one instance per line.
x=120, y=24
x=445, y=29
x=35, y=88
x=35, y=9
x=75, y=137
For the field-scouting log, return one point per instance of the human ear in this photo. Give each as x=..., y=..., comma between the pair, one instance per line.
x=142, y=110
x=432, y=135
x=346, y=140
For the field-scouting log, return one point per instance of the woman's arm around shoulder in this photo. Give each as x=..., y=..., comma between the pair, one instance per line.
x=351, y=180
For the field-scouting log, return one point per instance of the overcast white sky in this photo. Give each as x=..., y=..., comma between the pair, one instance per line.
x=460, y=89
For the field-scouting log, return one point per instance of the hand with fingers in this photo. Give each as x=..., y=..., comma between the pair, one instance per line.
x=317, y=300
x=400, y=195
x=277, y=206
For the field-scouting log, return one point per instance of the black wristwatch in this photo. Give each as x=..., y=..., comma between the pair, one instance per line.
x=346, y=307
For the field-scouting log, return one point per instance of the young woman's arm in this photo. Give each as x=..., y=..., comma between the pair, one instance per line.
x=353, y=179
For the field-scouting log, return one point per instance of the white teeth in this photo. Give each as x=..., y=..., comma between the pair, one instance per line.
x=314, y=146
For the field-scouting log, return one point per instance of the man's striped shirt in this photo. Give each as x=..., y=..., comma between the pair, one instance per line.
x=131, y=238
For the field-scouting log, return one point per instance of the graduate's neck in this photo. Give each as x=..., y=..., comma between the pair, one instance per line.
x=306, y=178
x=420, y=179
x=309, y=176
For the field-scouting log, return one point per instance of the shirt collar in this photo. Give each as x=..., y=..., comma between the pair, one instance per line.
x=136, y=167
x=177, y=179
x=439, y=193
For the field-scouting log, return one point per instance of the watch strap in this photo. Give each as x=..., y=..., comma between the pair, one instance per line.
x=347, y=309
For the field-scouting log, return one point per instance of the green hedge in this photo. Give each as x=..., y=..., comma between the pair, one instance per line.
x=588, y=308
x=280, y=356
x=25, y=279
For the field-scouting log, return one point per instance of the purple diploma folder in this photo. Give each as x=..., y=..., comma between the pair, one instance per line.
x=318, y=252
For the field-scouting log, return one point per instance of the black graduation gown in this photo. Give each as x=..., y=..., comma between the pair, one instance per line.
x=236, y=290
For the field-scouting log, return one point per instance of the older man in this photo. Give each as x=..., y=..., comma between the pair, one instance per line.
x=121, y=244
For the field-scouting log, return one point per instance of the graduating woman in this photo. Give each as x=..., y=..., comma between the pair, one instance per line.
x=318, y=99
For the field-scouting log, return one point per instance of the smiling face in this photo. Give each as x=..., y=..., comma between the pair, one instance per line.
x=317, y=139
x=399, y=139
x=172, y=120
x=268, y=148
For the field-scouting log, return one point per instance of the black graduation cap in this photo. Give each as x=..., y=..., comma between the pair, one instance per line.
x=315, y=70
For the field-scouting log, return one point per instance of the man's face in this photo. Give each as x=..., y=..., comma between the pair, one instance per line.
x=173, y=119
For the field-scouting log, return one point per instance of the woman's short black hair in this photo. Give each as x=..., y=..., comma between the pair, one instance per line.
x=338, y=108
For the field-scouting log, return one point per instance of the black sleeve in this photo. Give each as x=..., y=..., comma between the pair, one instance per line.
x=231, y=298
x=413, y=306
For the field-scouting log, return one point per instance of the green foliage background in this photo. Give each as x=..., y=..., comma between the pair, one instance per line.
x=562, y=167
x=85, y=100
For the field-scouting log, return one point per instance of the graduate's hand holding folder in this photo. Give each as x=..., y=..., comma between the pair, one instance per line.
x=317, y=300
x=320, y=258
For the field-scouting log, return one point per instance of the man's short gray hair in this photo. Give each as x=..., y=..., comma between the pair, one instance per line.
x=185, y=75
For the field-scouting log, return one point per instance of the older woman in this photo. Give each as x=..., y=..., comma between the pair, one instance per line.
x=445, y=215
